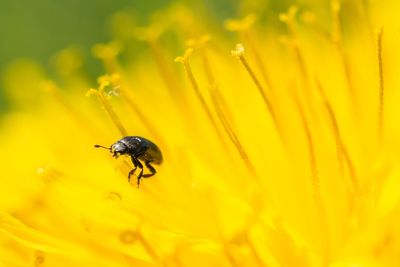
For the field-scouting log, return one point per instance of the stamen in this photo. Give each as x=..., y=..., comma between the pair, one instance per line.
x=288, y=19
x=222, y=111
x=147, y=247
x=239, y=53
x=301, y=63
x=336, y=25
x=176, y=259
x=337, y=40
x=229, y=255
x=342, y=151
x=104, y=100
x=117, y=81
x=188, y=70
x=150, y=35
x=108, y=53
x=254, y=251
x=381, y=85
x=241, y=25
x=142, y=117
x=214, y=86
x=321, y=210
x=259, y=61
x=165, y=70
x=338, y=138
x=311, y=149
x=243, y=28
x=232, y=135
x=293, y=43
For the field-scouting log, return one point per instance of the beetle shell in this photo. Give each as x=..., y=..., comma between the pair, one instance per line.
x=142, y=148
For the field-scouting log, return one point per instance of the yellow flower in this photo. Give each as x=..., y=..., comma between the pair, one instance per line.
x=283, y=154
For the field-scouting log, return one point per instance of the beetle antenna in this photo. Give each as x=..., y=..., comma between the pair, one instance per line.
x=108, y=148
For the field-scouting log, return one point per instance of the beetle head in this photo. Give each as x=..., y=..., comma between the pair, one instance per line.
x=118, y=149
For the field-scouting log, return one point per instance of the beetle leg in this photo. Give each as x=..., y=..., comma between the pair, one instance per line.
x=135, y=164
x=134, y=161
x=140, y=173
x=151, y=169
x=131, y=172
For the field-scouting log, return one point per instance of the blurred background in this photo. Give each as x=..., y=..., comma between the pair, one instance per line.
x=37, y=30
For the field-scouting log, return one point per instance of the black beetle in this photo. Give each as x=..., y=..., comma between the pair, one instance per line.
x=140, y=150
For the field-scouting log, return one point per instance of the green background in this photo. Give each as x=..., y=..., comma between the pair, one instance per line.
x=38, y=29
